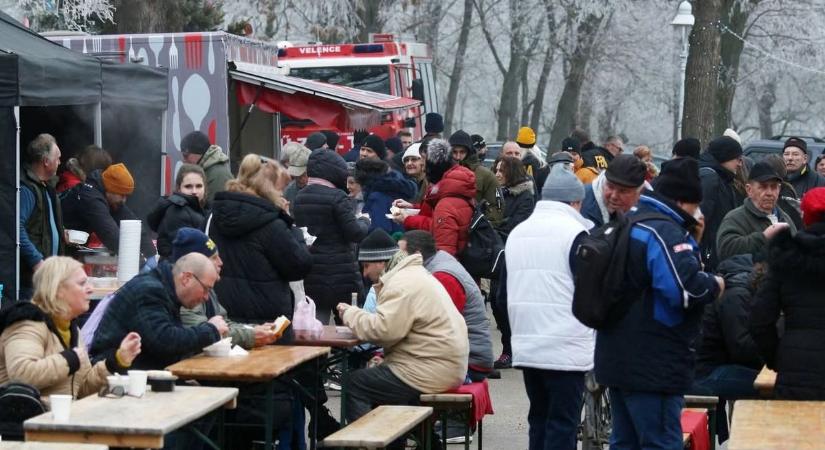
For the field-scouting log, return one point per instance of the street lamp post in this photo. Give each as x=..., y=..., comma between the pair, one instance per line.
x=683, y=21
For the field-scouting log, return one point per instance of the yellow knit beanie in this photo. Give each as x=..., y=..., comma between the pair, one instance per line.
x=526, y=137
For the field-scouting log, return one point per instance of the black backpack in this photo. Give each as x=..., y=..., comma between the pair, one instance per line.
x=600, y=269
x=18, y=402
x=484, y=246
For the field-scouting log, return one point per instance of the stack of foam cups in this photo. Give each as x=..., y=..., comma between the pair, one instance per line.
x=128, y=256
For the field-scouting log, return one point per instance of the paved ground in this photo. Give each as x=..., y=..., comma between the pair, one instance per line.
x=507, y=428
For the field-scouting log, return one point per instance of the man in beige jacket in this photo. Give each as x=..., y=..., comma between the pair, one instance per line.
x=424, y=338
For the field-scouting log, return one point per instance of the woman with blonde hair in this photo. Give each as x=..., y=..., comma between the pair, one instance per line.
x=261, y=248
x=40, y=342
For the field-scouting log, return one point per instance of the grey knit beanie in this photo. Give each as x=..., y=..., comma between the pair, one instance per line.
x=562, y=185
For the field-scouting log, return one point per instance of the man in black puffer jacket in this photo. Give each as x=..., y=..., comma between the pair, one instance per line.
x=324, y=208
x=717, y=169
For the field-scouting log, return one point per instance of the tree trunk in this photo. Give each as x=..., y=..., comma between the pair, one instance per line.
x=508, y=102
x=525, y=96
x=148, y=16
x=547, y=65
x=369, y=16
x=764, y=105
x=458, y=67
x=541, y=88
x=573, y=81
x=702, y=74
x=735, y=17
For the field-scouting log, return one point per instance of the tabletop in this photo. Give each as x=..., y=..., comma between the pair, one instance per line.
x=9, y=445
x=777, y=424
x=130, y=421
x=261, y=364
x=331, y=336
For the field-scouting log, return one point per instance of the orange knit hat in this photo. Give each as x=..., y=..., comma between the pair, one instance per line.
x=118, y=180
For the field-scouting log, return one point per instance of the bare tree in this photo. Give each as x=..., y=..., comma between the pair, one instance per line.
x=458, y=66
x=585, y=37
x=702, y=74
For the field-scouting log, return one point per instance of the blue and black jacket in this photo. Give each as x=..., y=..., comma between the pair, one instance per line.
x=650, y=345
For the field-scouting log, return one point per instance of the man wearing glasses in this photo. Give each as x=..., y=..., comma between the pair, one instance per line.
x=150, y=304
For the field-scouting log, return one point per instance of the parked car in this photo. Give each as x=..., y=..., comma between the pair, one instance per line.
x=758, y=149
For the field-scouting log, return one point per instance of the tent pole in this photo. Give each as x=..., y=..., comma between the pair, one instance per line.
x=164, y=189
x=16, y=293
x=98, y=125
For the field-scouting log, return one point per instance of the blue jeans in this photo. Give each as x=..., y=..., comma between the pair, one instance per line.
x=644, y=420
x=728, y=381
x=555, y=407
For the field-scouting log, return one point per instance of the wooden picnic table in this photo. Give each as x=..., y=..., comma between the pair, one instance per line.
x=130, y=421
x=263, y=365
x=331, y=336
x=777, y=425
x=11, y=445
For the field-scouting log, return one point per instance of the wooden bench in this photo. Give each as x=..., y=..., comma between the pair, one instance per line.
x=381, y=427
x=708, y=403
x=765, y=382
x=459, y=404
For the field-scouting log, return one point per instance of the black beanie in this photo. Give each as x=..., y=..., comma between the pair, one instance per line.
x=332, y=139
x=377, y=246
x=571, y=144
x=724, y=149
x=433, y=123
x=679, y=180
x=315, y=141
x=462, y=138
x=394, y=143
x=376, y=144
x=687, y=148
x=195, y=142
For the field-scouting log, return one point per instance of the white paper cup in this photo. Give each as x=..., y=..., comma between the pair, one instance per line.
x=137, y=383
x=61, y=407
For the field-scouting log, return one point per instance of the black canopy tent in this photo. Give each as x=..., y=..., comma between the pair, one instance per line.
x=37, y=75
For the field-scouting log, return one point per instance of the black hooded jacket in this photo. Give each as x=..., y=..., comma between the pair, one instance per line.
x=262, y=252
x=328, y=215
x=719, y=197
x=794, y=288
x=725, y=338
x=85, y=208
x=170, y=215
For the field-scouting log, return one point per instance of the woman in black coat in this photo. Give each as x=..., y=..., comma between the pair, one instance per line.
x=323, y=207
x=794, y=288
x=184, y=208
x=517, y=193
x=261, y=249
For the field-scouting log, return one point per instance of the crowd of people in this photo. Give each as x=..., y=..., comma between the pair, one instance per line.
x=721, y=276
